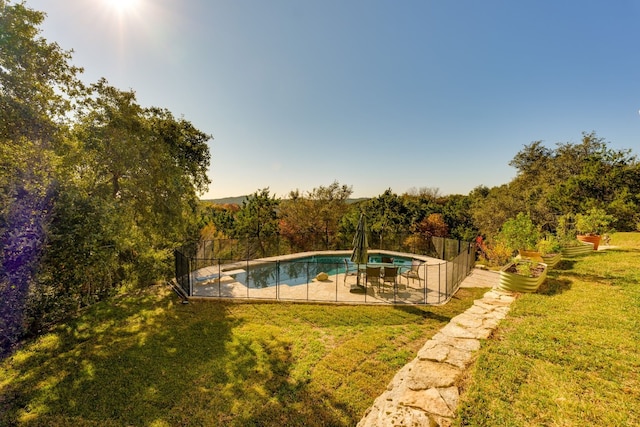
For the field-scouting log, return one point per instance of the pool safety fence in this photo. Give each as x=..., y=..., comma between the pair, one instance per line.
x=419, y=279
x=252, y=247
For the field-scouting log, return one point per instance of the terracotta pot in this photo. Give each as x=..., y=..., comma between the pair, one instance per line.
x=532, y=255
x=517, y=283
x=587, y=238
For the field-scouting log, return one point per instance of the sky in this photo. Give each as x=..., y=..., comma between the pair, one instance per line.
x=375, y=94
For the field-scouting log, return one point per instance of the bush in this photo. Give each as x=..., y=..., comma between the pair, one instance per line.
x=550, y=244
x=496, y=254
x=519, y=233
x=595, y=221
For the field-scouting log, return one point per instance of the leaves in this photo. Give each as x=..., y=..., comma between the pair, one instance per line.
x=570, y=178
x=519, y=233
x=88, y=202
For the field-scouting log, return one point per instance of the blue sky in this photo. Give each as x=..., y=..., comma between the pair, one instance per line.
x=373, y=94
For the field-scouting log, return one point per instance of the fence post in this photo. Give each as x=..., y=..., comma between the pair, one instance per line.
x=277, y=279
x=189, y=277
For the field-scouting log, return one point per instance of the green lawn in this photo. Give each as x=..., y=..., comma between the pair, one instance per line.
x=147, y=360
x=568, y=355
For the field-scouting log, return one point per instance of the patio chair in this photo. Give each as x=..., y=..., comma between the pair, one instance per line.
x=414, y=272
x=349, y=271
x=387, y=260
x=389, y=275
x=373, y=276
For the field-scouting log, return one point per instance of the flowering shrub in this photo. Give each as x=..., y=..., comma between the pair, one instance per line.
x=495, y=254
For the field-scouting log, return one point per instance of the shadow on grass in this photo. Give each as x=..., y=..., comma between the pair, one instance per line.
x=422, y=313
x=553, y=286
x=619, y=249
x=565, y=264
x=153, y=361
x=122, y=361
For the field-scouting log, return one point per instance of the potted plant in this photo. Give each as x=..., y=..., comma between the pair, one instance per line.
x=550, y=250
x=567, y=236
x=520, y=234
x=591, y=225
x=522, y=276
x=575, y=248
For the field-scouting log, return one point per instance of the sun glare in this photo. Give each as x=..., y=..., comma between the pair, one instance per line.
x=122, y=6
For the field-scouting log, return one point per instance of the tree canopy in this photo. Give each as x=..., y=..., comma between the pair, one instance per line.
x=95, y=190
x=570, y=178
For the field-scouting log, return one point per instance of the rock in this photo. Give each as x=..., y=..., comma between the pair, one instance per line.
x=429, y=374
x=429, y=401
x=322, y=277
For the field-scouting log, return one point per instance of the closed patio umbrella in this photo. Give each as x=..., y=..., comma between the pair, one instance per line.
x=360, y=253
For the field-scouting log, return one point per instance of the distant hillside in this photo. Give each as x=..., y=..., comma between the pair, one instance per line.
x=227, y=200
x=238, y=200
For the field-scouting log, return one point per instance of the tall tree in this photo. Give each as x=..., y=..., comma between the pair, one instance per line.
x=571, y=178
x=36, y=88
x=37, y=82
x=307, y=220
x=388, y=218
x=257, y=222
x=88, y=202
x=457, y=215
x=144, y=167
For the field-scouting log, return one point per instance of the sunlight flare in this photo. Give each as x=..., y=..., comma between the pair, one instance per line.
x=123, y=6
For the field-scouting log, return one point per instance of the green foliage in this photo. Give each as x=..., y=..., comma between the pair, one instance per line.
x=549, y=244
x=594, y=221
x=496, y=254
x=387, y=217
x=457, y=215
x=257, y=219
x=312, y=221
x=524, y=268
x=519, y=233
x=568, y=178
x=88, y=202
x=566, y=230
x=490, y=208
x=36, y=83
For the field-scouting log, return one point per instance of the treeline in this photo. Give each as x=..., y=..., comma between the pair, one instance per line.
x=325, y=219
x=571, y=178
x=95, y=190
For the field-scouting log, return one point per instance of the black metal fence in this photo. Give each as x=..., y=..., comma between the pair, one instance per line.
x=253, y=247
x=183, y=271
x=214, y=269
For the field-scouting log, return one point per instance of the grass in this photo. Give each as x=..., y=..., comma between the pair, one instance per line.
x=145, y=359
x=568, y=355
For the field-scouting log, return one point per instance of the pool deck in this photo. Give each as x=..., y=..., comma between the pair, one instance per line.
x=219, y=283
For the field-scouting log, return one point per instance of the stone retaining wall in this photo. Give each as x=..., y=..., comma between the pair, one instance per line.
x=424, y=392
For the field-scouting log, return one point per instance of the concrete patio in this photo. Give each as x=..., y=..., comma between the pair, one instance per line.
x=435, y=286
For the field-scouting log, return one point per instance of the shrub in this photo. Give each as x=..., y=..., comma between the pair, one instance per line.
x=496, y=253
x=595, y=221
x=519, y=233
x=550, y=244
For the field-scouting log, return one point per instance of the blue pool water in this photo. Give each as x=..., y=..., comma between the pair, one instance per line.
x=302, y=270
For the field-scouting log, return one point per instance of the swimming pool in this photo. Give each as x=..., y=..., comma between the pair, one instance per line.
x=301, y=271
